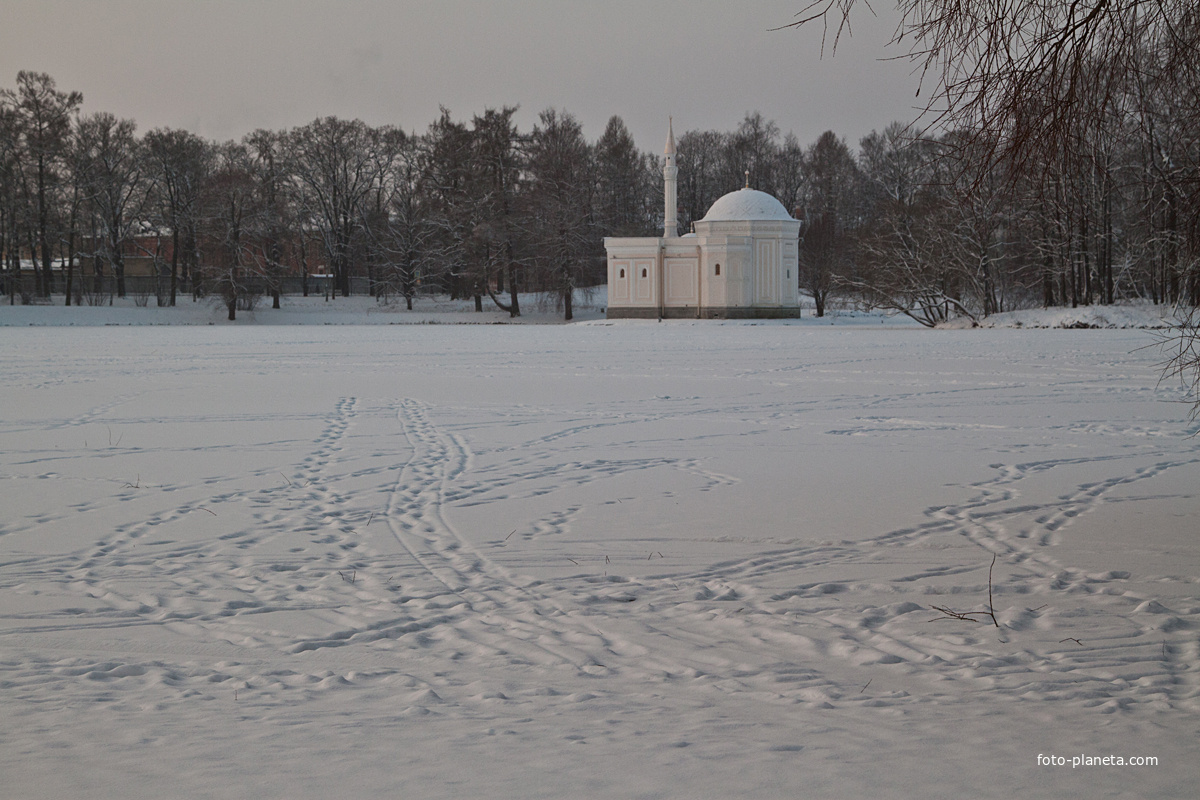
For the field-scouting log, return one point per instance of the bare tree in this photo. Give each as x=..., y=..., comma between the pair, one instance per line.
x=42, y=116
x=229, y=198
x=829, y=206
x=700, y=157
x=333, y=164
x=752, y=148
x=902, y=267
x=112, y=173
x=448, y=182
x=789, y=173
x=498, y=160
x=10, y=202
x=274, y=209
x=180, y=163
x=628, y=190
x=410, y=229
x=374, y=246
x=560, y=203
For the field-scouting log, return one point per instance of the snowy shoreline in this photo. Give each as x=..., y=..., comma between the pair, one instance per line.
x=536, y=310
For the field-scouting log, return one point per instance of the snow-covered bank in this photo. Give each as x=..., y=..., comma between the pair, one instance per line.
x=1123, y=315
x=633, y=560
x=296, y=310
x=536, y=310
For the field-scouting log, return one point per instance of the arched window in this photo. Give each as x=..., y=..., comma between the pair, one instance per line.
x=643, y=272
x=622, y=272
x=718, y=269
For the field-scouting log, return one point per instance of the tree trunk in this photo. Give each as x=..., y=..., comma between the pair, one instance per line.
x=407, y=280
x=514, y=303
x=36, y=274
x=1085, y=251
x=70, y=266
x=118, y=265
x=42, y=283
x=174, y=263
x=1047, y=281
x=342, y=270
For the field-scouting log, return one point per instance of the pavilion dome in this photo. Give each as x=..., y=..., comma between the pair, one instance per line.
x=746, y=204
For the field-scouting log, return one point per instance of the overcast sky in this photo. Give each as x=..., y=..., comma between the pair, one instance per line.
x=222, y=68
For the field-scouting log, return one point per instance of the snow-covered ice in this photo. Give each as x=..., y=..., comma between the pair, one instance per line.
x=593, y=560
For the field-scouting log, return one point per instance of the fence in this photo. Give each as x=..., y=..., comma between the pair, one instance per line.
x=90, y=289
x=100, y=290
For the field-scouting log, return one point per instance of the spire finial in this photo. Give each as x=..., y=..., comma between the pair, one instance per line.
x=670, y=188
x=747, y=186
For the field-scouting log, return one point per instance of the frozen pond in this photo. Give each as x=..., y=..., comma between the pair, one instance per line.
x=632, y=560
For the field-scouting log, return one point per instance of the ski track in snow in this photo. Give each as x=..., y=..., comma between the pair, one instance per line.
x=308, y=552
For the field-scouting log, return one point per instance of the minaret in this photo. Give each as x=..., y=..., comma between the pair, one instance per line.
x=670, y=189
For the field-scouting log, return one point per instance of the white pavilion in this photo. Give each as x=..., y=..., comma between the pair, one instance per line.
x=740, y=261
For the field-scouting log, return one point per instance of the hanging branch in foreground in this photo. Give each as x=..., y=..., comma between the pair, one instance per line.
x=1020, y=73
x=970, y=616
x=1182, y=345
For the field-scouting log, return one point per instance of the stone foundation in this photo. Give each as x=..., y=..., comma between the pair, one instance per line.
x=686, y=312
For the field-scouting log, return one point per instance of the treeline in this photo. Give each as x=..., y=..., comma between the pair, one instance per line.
x=934, y=227
x=474, y=208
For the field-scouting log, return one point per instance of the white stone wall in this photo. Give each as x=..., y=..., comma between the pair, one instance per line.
x=757, y=261
x=633, y=272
